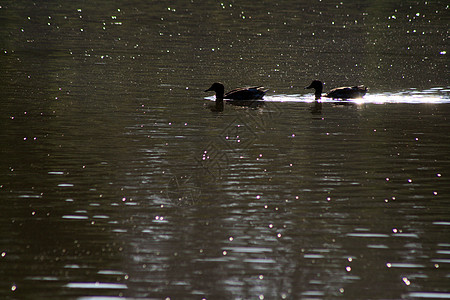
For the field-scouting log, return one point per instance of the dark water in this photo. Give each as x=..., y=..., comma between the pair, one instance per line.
x=116, y=181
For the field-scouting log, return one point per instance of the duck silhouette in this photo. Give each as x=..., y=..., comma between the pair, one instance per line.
x=338, y=93
x=246, y=96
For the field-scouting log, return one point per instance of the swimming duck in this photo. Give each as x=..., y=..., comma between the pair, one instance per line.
x=238, y=96
x=338, y=93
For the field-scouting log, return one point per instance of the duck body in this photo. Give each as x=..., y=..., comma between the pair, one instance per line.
x=247, y=93
x=347, y=92
x=240, y=96
x=353, y=92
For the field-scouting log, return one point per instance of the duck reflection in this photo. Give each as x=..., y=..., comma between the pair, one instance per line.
x=217, y=106
x=316, y=107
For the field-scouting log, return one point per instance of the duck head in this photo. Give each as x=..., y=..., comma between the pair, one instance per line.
x=217, y=87
x=317, y=85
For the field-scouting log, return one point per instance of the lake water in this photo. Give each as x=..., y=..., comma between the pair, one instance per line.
x=116, y=181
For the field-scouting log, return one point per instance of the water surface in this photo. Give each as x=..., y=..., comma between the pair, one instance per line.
x=116, y=181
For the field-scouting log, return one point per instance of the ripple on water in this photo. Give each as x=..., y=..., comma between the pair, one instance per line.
x=100, y=298
x=95, y=285
x=248, y=249
x=441, y=223
x=404, y=265
x=368, y=235
x=429, y=295
x=74, y=217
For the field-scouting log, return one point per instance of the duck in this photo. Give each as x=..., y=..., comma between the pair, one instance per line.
x=338, y=93
x=245, y=96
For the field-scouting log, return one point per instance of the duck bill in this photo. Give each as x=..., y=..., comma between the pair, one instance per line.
x=308, y=87
x=208, y=90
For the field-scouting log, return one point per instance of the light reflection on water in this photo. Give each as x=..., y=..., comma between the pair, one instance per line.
x=432, y=96
x=418, y=98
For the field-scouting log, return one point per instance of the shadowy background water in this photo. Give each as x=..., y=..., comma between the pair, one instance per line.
x=115, y=181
